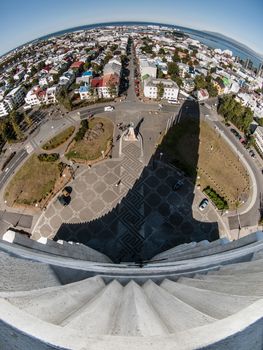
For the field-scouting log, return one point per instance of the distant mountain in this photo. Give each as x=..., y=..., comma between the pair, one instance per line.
x=235, y=42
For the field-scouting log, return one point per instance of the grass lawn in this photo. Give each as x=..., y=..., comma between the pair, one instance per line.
x=59, y=139
x=201, y=152
x=32, y=182
x=91, y=149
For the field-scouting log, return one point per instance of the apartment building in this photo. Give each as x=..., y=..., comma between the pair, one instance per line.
x=171, y=89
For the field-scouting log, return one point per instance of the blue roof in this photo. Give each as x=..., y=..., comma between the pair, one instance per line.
x=87, y=73
x=84, y=88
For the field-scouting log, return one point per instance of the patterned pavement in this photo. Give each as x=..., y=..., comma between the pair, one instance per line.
x=134, y=220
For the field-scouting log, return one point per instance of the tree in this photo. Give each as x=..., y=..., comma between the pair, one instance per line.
x=178, y=81
x=161, y=51
x=173, y=68
x=87, y=65
x=113, y=47
x=124, y=59
x=159, y=73
x=160, y=90
x=200, y=82
x=107, y=57
x=28, y=119
x=64, y=99
x=233, y=111
x=211, y=89
x=14, y=117
x=112, y=90
x=176, y=57
x=96, y=68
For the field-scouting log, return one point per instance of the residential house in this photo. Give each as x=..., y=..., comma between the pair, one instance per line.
x=16, y=96
x=85, y=77
x=84, y=92
x=147, y=68
x=188, y=85
x=106, y=85
x=67, y=79
x=202, y=95
x=36, y=96
x=5, y=108
x=51, y=94
x=150, y=89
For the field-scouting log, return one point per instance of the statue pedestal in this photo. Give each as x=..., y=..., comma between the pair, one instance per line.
x=130, y=135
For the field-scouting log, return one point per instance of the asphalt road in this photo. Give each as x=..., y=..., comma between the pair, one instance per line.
x=13, y=164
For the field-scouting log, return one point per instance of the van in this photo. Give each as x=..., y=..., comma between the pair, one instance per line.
x=108, y=108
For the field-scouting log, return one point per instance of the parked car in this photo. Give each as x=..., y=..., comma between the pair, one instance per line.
x=252, y=153
x=108, y=108
x=64, y=200
x=238, y=136
x=174, y=102
x=203, y=204
x=178, y=185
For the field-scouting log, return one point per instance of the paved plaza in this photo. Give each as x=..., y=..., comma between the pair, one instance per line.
x=135, y=220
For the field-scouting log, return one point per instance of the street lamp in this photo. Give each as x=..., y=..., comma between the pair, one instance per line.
x=161, y=154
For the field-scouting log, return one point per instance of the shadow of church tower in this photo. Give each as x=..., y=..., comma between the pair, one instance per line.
x=152, y=217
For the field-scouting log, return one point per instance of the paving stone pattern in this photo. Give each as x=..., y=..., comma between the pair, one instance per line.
x=135, y=220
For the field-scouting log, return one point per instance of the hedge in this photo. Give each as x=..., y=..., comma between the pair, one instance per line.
x=45, y=157
x=82, y=130
x=219, y=201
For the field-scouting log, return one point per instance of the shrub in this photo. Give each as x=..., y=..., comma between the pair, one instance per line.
x=45, y=157
x=59, y=139
x=219, y=201
x=84, y=125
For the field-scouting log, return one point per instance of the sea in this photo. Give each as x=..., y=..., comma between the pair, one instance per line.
x=212, y=40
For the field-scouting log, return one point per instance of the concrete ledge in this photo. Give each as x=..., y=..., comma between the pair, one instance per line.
x=243, y=331
x=74, y=251
x=123, y=271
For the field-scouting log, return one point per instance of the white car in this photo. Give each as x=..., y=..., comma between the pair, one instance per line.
x=108, y=108
x=203, y=204
x=174, y=102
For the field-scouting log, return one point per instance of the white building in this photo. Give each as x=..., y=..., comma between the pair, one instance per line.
x=202, y=94
x=35, y=97
x=258, y=134
x=171, y=89
x=67, y=79
x=16, y=96
x=84, y=92
x=51, y=94
x=5, y=108
x=188, y=85
x=85, y=77
x=148, y=68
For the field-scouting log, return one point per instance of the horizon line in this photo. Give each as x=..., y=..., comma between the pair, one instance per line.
x=129, y=22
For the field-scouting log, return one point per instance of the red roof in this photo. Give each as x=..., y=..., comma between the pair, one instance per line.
x=77, y=64
x=110, y=79
x=105, y=81
x=97, y=82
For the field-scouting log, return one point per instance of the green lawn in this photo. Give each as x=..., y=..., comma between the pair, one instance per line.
x=59, y=139
x=34, y=181
x=91, y=149
x=198, y=150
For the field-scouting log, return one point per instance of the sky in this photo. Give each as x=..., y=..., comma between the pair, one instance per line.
x=25, y=20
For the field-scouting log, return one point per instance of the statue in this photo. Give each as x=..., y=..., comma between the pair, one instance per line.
x=130, y=135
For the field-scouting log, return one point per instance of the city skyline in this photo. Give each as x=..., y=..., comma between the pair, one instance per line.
x=245, y=26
